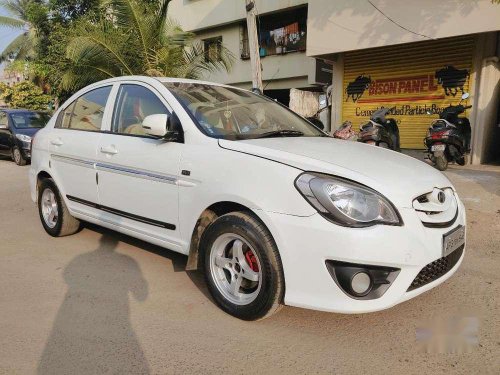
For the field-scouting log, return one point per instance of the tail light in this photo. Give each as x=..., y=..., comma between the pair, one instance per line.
x=441, y=134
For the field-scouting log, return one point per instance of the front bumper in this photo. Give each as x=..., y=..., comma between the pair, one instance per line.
x=306, y=243
x=25, y=148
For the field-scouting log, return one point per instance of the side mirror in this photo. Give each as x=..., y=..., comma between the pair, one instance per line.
x=465, y=96
x=155, y=125
x=164, y=126
x=175, y=133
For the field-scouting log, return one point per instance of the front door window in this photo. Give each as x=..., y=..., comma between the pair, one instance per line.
x=134, y=103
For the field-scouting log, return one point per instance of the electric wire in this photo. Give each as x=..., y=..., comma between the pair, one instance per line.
x=397, y=24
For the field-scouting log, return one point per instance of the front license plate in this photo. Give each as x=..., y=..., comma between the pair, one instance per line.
x=438, y=148
x=453, y=240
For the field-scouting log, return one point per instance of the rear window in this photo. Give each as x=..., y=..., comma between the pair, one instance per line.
x=24, y=120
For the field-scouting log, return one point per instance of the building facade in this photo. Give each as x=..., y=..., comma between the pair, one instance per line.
x=416, y=57
x=282, y=26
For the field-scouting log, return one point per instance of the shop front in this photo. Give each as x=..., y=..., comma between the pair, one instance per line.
x=414, y=58
x=413, y=79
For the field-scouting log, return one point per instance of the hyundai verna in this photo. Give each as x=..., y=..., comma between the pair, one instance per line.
x=272, y=209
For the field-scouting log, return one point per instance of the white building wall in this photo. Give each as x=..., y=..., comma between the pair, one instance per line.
x=285, y=71
x=213, y=18
x=345, y=25
x=194, y=15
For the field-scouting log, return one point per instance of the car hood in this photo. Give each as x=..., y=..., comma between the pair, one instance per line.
x=399, y=177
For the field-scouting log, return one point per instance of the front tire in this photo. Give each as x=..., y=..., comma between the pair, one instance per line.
x=55, y=216
x=17, y=156
x=242, y=266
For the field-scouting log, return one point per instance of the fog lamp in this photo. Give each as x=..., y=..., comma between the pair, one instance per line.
x=361, y=283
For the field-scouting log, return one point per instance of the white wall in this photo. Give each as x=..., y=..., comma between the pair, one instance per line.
x=286, y=71
x=195, y=15
x=344, y=25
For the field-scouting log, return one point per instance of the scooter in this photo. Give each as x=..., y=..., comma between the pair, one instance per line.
x=380, y=131
x=448, y=138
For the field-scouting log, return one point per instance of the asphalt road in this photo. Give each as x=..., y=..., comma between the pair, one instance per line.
x=101, y=302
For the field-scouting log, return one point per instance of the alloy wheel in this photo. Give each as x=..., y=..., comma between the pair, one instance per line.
x=17, y=156
x=50, y=209
x=235, y=269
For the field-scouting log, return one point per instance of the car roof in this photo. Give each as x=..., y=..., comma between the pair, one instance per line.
x=149, y=79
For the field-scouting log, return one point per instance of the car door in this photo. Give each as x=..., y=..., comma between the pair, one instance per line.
x=5, y=134
x=137, y=173
x=73, y=147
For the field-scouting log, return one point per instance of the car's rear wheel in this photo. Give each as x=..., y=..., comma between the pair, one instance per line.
x=17, y=156
x=441, y=162
x=242, y=266
x=55, y=216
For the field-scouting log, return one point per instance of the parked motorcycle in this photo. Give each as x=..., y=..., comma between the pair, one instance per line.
x=380, y=131
x=448, y=138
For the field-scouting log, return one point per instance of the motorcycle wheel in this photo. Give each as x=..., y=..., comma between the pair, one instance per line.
x=441, y=162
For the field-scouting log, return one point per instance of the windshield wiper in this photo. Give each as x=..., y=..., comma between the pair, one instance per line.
x=281, y=133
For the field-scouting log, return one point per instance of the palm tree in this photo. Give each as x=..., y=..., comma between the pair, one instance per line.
x=136, y=37
x=23, y=46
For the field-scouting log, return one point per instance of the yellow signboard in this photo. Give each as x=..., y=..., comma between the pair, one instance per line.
x=412, y=79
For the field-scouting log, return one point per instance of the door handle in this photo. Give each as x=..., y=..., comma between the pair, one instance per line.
x=111, y=150
x=57, y=142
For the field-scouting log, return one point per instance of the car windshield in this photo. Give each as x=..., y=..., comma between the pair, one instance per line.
x=24, y=120
x=230, y=113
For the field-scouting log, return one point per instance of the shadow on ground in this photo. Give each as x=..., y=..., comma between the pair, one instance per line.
x=93, y=323
x=92, y=332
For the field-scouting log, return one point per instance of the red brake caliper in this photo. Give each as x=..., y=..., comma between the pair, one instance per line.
x=252, y=261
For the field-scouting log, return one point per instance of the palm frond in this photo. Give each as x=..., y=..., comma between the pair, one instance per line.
x=12, y=22
x=129, y=15
x=13, y=48
x=17, y=8
x=101, y=45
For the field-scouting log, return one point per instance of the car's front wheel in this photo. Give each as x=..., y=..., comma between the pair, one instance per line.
x=55, y=216
x=242, y=266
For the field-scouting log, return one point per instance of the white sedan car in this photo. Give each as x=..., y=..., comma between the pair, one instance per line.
x=272, y=209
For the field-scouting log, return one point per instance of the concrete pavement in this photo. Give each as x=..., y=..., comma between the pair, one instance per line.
x=101, y=302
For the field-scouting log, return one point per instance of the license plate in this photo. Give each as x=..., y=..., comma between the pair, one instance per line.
x=453, y=240
x=438, y=148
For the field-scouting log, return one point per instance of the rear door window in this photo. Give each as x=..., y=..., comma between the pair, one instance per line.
x=87, y=112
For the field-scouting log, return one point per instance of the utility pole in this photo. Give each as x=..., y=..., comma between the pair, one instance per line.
x=253, y=41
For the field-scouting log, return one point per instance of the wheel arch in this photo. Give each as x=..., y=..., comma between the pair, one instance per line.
x=207, y=217
x=42, y=175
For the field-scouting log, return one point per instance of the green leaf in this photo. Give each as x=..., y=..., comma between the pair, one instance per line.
x=12, y=22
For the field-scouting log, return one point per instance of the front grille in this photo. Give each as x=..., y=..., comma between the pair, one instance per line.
x=434, y=213
x=436, y=269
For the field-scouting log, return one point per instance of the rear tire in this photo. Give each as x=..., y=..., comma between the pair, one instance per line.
x=261, y=286
x=441, y=162
x=55, y=216
x=17, y=156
